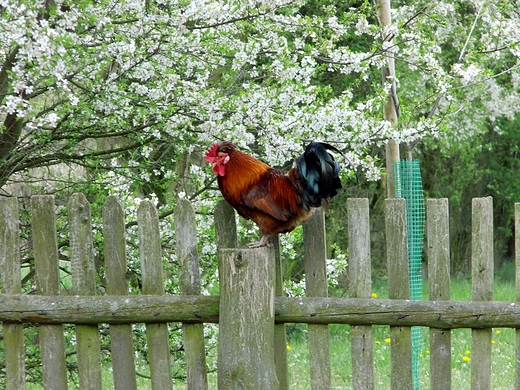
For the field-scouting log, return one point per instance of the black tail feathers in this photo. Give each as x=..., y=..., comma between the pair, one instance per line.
x=318, y=174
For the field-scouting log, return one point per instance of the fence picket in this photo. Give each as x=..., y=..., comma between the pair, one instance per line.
x=153, y=279
x=360, y=282
x=10, y=283
x=121, y=336
x=189, y=283
x=438, y=243
x=316, y=285
x=52, y=343
x=84, y=283
x=280, y=335
x=225, y=225
x=517, y=285
x=482, y=285
x=398, y=288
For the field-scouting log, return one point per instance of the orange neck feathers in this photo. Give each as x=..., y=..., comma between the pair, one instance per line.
x=241, y=171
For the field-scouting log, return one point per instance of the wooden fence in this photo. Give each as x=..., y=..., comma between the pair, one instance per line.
x=251, y=309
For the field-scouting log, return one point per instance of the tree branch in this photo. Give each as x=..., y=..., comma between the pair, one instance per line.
x=11, y=135
x=4, y=72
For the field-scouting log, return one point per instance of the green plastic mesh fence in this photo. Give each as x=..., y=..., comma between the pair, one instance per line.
x=408, y=185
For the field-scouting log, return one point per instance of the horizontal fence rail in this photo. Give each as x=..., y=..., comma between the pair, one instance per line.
x=200, y=309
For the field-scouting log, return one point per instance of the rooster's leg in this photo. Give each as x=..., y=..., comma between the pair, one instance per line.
x=264, y=241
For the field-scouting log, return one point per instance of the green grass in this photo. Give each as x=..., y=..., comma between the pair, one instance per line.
x=503, y=348
x=503, y=356
x=503, y=351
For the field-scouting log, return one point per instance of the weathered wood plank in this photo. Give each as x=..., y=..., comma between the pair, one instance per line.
x=280, y=335
x=316, y=285
x=153, y=279
x=108, y=309
x=398, y=288
x=52, y=343
x=355, y=311
x=438, y=243
x=246, y=328
x=9, y=246
x=84, y=283
x=189, y=283
x=360, y=283
x=187, y=252
x=81, y=246
x=517, y=281
x=10, y=283
x=482, y=288
x=225, y=225
x=121, y=336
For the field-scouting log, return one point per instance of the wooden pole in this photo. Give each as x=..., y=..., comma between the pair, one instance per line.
x=246, y=325
x=398, y=288
x=84, y=283
x=438, y=244
x=52, y=342
x=517, y=283
x=391, y=108
x=280, y=335
x=189, y=284
x=316, y=285
x=482, y=288
x=10, y=282
x=153, y=284
x=360, y=280
x=225, y=225
x=113, y=309
x=121, y=335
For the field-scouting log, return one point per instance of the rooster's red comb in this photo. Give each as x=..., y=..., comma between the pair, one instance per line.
x=211, y=154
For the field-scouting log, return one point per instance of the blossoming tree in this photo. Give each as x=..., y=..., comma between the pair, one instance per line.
x=131, y=86
x=127, y=94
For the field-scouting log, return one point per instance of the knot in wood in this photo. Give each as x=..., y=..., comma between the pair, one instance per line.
x=238, y=260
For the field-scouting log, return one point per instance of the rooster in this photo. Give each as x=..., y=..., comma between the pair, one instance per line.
x=276, y=200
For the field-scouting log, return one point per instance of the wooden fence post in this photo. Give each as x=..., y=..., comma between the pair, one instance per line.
x=246, y=324
x=360, y=281
x=84, y=283
x=121, y=336
x=398, y=288
x=153, y=284
x=52, y=343
x=316, y=285
x=226, y=231
x=10, y=282
x=482, y=288
x=189, y=283
x=438, y=243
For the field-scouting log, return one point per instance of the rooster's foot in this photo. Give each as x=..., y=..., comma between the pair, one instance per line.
x=264, y=241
